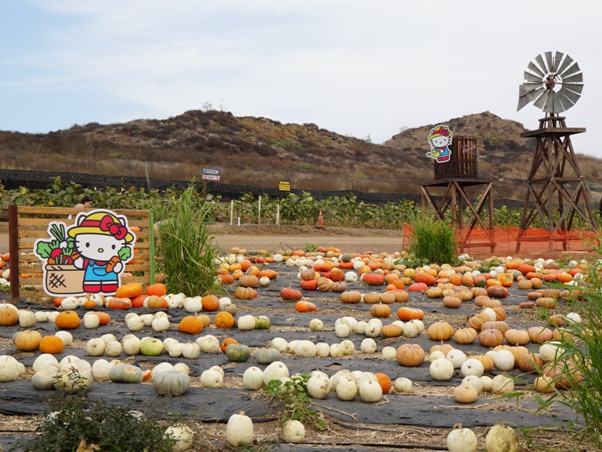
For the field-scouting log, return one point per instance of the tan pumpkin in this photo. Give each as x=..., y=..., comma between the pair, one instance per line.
x=248, y=281
x=324, y=284
x=546, y=302
x=440, y=331
x=477, y=320
x=244, y=293
x=410, y=355
x=380, y=310
x=28, y=340
x=434, y=292
x=391, y=330
x=351, y=296
x=465, y=335
x=515, y=336
x=387, y=298
x=401, y=296
x=443, y=348
x=480, y=299
x=491, y=337
x=486, y=360
x=371, y=297
x=491, y=303
x=539, y=334
x=495, y=325
x=452, y=302
x=530, y=362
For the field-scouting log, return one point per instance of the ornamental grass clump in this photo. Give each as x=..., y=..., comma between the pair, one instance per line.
x=186, y=251
x=576, y=374
x=433, y=240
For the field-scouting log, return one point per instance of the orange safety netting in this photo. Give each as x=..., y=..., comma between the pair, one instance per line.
x=510, y=241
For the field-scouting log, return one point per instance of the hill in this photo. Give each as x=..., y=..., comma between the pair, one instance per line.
x=262, y=152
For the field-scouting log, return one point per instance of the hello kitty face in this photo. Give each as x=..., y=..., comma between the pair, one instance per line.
x=440, y=141
x=98, y=247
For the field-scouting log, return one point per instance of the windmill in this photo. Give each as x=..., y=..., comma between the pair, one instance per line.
x=556, y=189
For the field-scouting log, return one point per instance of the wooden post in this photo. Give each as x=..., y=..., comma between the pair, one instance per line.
x=231, y=212
x=13, y=249
x=151, y=248
x=259, y=210
x=278, y=214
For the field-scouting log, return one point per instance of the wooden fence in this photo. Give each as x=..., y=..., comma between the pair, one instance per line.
x=27, y=224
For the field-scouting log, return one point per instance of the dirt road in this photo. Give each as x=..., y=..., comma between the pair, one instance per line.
x=272, y=238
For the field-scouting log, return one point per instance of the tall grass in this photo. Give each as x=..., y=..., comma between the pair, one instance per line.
x=186, y=250
x=433, y=240
x=578, y=384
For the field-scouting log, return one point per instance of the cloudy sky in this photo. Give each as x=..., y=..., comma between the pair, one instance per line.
x=356, y=67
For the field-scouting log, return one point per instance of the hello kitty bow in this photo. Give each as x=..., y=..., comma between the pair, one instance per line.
x=108, y=224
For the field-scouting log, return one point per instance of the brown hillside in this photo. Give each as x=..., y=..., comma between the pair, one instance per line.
x=262, y=152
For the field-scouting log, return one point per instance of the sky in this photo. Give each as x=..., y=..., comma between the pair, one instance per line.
x=360, y=68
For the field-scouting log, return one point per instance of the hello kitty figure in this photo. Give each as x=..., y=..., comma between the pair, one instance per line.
x=440, y=140
x=103, y=245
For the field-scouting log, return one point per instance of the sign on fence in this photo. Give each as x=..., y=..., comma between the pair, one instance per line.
x=284, y=186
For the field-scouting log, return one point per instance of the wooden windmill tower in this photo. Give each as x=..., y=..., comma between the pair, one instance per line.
x=556, y=188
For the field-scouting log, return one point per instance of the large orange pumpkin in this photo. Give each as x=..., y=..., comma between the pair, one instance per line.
x=210, y=303
x=52, y=345
x=288, y=294
x=406, y=313
x=191, y=324
x=67, y=320
x=158, y=289
x=129, y=290
x=223, y=320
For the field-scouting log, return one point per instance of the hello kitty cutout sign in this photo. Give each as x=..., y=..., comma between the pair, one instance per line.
x=440, y=140
x=88, y=256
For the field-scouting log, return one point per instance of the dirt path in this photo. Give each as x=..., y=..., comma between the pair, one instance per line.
x=269, y=237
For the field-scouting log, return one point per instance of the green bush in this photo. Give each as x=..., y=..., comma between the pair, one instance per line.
x=185, y=251
x=580, y=362
x=433, y=240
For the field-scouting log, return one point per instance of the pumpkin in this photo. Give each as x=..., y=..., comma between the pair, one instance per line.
x=476, y=321
x=267, y=355
x=373, y=279
x=245, y=293
x=392, y=330
x=545, y=302
x=495, y=325
x=226, y=342
x=539, y=334
x=305, y=306
x=497, y=291
x=119, y=303
x=28, y=340
x=371, y=298
x=310, y=284
x=465, y=335
x=289, y=294
x=238, y=352
x=465, y=393
x=224, y=320
x=191, y=324
x=248, y=281
x=462, y=440
x=239, y=430
x=406, y=313
x=171, y=383
x=129, y=290
x=451, y=301
x=155, y=302
x=441, y=369
x=410, y=355
x=486, y=360
x=517, y=337
x=491, y=337
x=440, y=331
x=384, y=381
x=125, y=373
x=51, y=345
x=380, y=310
x=387, y=298
x=157, y=289
x=103, y=317
x=351, y=296
x=324, y=284
x=210, y=303
x=501, y=438
x=67, y=320
x=370, y=391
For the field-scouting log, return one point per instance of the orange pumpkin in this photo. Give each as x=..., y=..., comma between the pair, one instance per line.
x=28, y=340
x=210, y=303
x=406, y=313
x=129, y=290
x=309, y=284
x=119, y=303
x=305, y=306
x=52, y=345
x=67, y=320
x=157, y=289
x=224, y=320
x=373, y=279
x=289, y=294
x=226, y=342
x=380, y=310
x=191, y=324
x=245, y=293
x=103, y=317
x=384, y=381
x=138, y=302
x=410, y=355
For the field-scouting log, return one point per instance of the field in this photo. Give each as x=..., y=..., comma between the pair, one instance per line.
x=416, y=420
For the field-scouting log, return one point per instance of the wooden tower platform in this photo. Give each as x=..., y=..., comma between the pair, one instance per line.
x=459, y=191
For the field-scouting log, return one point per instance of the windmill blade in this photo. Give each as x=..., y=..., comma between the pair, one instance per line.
x=557, y=104
x=565, y=63
x=528, y=92
x=532, y=77
x=577, y=78
x=549, y=105
x=550, y=61
x=522, y=101
x=576, y=87
x=557, y=59
x=533, y=68
x=541, y=101
x=567, y=97
x=535, y=94
x=570, y=71
x=528, y=87
x=541, y=63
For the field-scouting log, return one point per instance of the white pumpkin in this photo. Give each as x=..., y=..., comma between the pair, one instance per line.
x=69, y=303
x=348, y=347
x=193, y=304
x=41, y=316
x=368, y=345
x=501, y=438
x=100, y=370
x=389, y=353
x=360, y=327
x=457, y=357
x=80, y=365
x=322, y=350
x=191, y=350
x=475, y=381
x=160, y=324
x=279, y=344
x=370, y=391
x=246, y=322
x=131, y=344
x=346, y=389
x=174, y=348
x=473, y=367
x=44, y=379
x=10, y=369
x=434, y=355
x=487, y=383
x=162, y=367
x=350, y=276
x=182, y=367
x=550, y=351
x=292, y=431
x=113, y=348
x=239, y=430
x=502, y=384
x=462, y=440
x=135, y=323
x=95, y=346
x=252, y=378
x=209, y=344
x=411, y=329
x=65, y=336
x=45, y=361
x=182, y=435
x=373, y=328
x=336, y=351
x=27, y=318
x=318, y=387
x=316, y=325
x=51, y=316
x=342, y=329
x=305, y=349
x=147, y=319
x=503, y=360
x=274, y=370
x=402, y=384
x=211, y=379
x=441, y=369
x=91, y=320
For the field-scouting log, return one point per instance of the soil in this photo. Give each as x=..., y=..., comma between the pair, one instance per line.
x=417, y=421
